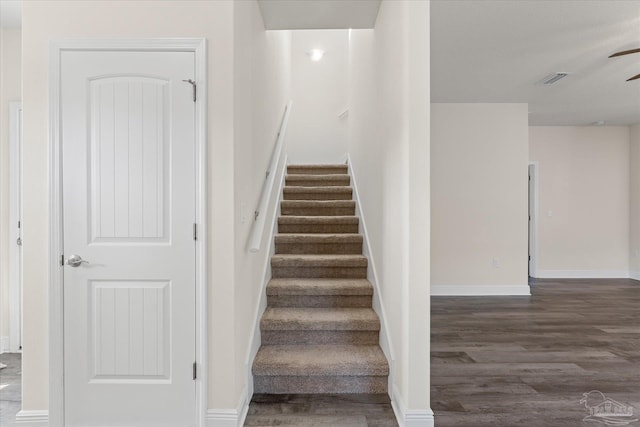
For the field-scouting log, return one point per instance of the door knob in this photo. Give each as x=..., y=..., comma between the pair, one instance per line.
x=76, y=260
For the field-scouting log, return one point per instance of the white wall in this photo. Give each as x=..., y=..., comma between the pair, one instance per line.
x=479, y=164
x=319, y=91
x=634, y=202
x=583, y=214
x=10, y=90
x=262, y=89
x=239, y=107
x=389, y=150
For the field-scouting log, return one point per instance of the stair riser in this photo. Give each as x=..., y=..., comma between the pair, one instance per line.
x=319, y=248
x=294, y=337
x=315, y=384
x=319, y=301
x=318, y=211
x=317, y=196
x=319, y=272
x=318, y=170
x=317, y=229
x=342, y=182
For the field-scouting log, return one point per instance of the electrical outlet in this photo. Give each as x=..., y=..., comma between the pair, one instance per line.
x=496, y=263
x=636, y=252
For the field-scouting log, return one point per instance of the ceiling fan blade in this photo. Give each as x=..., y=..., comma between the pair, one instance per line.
x=625, y=52
x=634, y=77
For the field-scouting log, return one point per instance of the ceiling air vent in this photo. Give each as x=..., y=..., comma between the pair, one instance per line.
x=552, y=78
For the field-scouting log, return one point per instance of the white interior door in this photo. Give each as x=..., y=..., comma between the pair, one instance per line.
x=128, y=152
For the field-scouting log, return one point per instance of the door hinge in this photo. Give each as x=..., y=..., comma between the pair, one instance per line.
x=62, y=260
x=195, y=88
x=195, y=371
x=195, y=231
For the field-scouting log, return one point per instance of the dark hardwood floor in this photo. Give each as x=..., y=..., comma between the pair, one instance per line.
x=307, y=410
x=527, y=361
x=10, y=388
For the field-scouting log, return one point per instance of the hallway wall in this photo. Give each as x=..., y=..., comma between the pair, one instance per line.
x=634, y=201
x=583, y=212
x=479, y=161
x=389, y=102
x=10, y=90
x=319, y=92
x=262, y=89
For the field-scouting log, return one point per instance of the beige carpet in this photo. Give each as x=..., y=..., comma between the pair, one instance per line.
x=319, y=332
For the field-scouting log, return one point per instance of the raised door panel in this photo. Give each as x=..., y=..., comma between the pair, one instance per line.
x=129, y=159
x=130, y=331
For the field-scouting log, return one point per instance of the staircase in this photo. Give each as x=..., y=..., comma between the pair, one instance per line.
x=319, y=332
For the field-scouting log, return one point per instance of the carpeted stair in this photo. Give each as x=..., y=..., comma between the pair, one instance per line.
x=319, y=332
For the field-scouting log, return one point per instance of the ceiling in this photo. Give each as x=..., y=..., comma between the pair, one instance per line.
x=499, y=51
x=10, y=13
x=318, y=14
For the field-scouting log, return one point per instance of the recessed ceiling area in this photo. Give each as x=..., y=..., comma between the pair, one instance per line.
x=500, y=51
x=318, y=14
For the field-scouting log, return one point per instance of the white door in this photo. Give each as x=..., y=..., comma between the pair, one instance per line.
x=128, y=153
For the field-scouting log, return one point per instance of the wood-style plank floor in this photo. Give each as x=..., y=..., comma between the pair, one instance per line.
x=307, y=410
x=10, y=388
x=526, y=361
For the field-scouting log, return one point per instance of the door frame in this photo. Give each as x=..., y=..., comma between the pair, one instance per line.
x=56, y=313
x=15, y=216
x=533, y=223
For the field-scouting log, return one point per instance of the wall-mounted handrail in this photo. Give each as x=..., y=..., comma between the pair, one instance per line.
x=260, y=215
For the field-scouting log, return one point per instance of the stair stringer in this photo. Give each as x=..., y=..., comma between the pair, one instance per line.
x=255, y=339
x=372, y=276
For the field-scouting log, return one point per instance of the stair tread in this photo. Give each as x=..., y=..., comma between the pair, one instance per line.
x=320, y=219
x=346, y=203
x=320, y=260
x=319, y=287
x=320, y=360
x=330, y=169
x=318, y=165
x=320, y=319
x=318, y=237
x=319, y=177
x=317, y=189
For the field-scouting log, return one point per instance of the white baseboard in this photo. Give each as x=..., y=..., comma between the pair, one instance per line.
x=410, y=417
x=372, y=276
x=229, y=417
x=635, y=275
x=4, y=345
x=583, y=274
x=32, y=418
x=479, y=290
x=222, y=418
